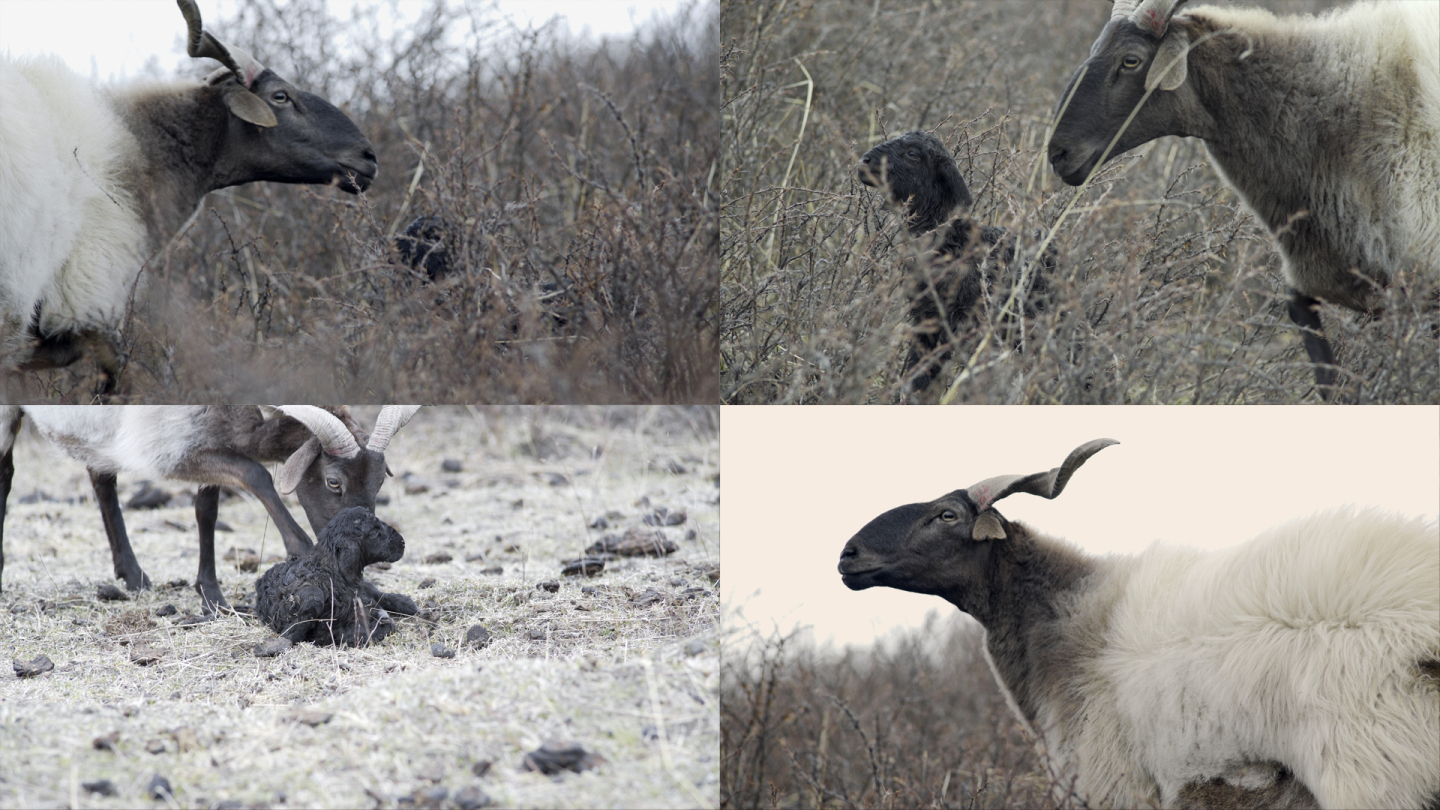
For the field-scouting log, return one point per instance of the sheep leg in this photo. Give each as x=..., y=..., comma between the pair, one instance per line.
x=234, y=469
x=207, y=584
x=7, y=471
x=1305, y=312
x=126, y=566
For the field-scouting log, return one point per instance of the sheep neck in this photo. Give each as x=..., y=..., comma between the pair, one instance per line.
x=1028, y=606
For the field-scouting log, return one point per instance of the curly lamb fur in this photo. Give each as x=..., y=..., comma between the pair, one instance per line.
x=323, y=597
x=968, y=260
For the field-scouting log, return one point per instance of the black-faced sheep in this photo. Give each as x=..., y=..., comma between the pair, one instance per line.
x=323, y=597
x=1328, y=127
x=1297, y=669
x=968, y=260
x=214, y=446
x=98, y=181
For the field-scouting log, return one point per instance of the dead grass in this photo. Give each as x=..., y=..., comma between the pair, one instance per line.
x=1168, y=291
x=636, y=684
x=579, y=166
x=915, y=721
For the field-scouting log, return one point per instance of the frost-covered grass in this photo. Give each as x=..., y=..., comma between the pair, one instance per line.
x=637, y=685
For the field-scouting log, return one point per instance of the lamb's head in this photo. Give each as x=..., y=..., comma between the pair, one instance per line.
x=1137, y=50
x=277, y=131
x=944, y=547
x=916, y=171
x=358, y=538
x=331, y=471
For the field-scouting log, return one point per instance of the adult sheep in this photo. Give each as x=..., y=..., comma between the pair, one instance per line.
x=1300, y=668
x=966, y=261
x=94, y=183
x=1328, y=127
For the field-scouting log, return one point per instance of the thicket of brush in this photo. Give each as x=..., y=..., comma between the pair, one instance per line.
x=915, y=721
x=577, y=176
x=1168, y=291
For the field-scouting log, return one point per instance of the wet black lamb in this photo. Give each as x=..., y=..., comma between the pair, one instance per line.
x=918, y=175
x=323, y=597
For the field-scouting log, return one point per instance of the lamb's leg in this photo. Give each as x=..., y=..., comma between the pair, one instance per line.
x=126, y=566
x=1305, y=312
x=390, y=602
x=207, y=584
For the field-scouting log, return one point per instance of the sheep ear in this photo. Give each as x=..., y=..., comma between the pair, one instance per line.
x=249, y=107
x=987, y=527
x=1173, y=48
x=296, y=465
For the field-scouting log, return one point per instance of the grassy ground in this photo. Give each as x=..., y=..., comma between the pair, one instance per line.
x=1168, y=291
x=576, y=177
x=915, y=721
x=635, y=683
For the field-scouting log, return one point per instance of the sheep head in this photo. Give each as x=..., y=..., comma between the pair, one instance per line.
x=944, y=547
x=915, y=170
x=302, y=138
x=331, y=471
x=1138, y=50
x=358, y=538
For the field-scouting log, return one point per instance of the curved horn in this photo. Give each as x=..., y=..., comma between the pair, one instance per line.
x=328, y=428
x=204, y=45
x=1045, y=484
x=391, y=419
x=1152, y=16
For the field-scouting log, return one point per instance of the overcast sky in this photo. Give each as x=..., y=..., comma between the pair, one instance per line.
x=800, y=481
x=121, y=35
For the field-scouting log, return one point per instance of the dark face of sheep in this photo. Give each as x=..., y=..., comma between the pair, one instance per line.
x=1106, y=88
x=360, y=538
x=917, y=171
x=330, y=483
x=311, y=142
x=924, y=548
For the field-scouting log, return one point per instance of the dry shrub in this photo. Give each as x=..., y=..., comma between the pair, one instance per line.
x=1168, y=291
x=914, y=721
x=576, y=176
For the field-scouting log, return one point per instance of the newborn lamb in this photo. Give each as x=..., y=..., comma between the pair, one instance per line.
x=323, y=597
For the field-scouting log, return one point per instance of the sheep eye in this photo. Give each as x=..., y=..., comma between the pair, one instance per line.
x=913, y=155
x=1130, y=62
x=948, y=516
x=280, y=97
x=333, y=483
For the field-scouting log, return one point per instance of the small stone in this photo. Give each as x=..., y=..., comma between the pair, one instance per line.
x=155, y=746
x=589, y=590
x=452, y=465
x=186, y=739
x=537, y=634
x=439, y=650
x=310, y=717
x=548, y=585
x=415, y=485
x=600, y=523
x=110, y=593
x=477, y=637
x=552, y=758
x=695, y=647
x=192, y=620
x=647, y=597
x=479, y=557
x=589, y=566
x=104, y=787
x=635, y=543
x=166, y=609
x=433, y=773
x=222, y=526
x=159, y=788
x=106, y=742
x=428, y=582
x=379, y=566
x=482, y=767
x=149, y=497
x=273, y=647
x=144, y=656
x=558, y=479
x=35, y=666
x=494, y=570
x=471, y=797
x=438, y=557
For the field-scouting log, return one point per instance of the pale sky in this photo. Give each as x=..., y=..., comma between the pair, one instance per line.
x=121, y=35
x=800, y=481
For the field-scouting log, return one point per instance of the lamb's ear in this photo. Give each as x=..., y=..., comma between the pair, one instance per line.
x=296, y=465
x=988, y=527
x=249, y=107
x=950, y=174
x=1173, y=48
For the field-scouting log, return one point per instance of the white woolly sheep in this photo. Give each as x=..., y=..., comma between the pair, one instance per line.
x=214, y=446
x=1328, y=127
x=1301, y=668
x=95, y=182
x=917, y=174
